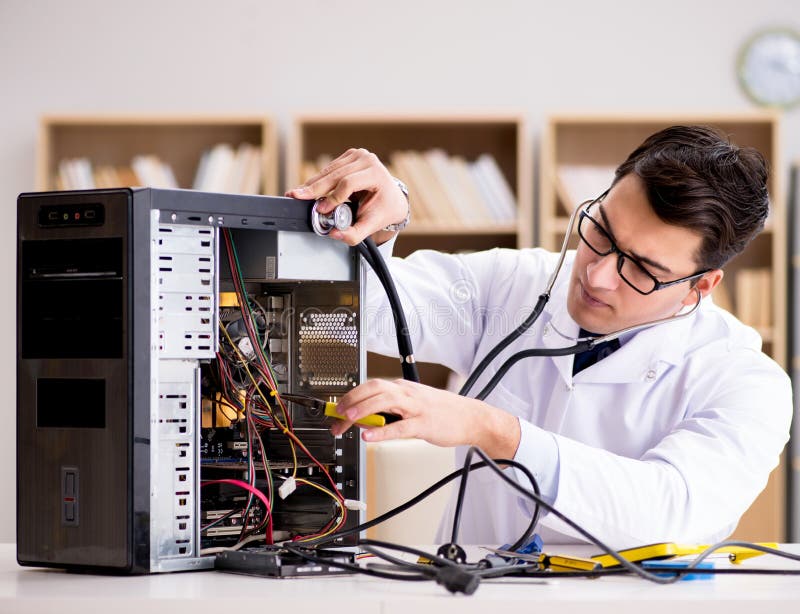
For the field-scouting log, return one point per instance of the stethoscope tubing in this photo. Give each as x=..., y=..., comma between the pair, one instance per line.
x=581, y=345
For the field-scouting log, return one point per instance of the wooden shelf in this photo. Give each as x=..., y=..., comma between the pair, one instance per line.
x=177, y=140
x=503, y=135
x=606, y=141
x=450, y=229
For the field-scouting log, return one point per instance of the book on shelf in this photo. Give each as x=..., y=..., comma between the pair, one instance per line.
x=497, y=193
x=401, y=166
x=447, y=190
x=442, y=209
x=221, y=169
x=576, y=183
x=225, y=169
x=152, y=172
x=722, y=297
x=475, y=207
x=754, y=296
x=80, y=174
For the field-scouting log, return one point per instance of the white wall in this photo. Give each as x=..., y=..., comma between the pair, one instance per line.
x=284, y=57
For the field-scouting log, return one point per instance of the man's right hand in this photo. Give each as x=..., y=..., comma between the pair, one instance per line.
x=360, y=174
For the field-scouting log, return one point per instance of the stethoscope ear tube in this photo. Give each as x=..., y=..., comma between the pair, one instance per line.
x=544, y=297
x=579, y=347
x=511, y=337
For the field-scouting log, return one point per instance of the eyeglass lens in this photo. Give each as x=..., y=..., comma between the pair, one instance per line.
x=599, y=241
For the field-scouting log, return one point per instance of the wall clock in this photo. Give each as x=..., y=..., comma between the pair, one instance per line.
x=769, y=68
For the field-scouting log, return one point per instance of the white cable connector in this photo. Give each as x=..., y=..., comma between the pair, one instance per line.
x=355, y=504
x=287, y=488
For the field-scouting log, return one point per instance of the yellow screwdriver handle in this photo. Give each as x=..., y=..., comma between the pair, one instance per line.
x=371, y=420
x=571, y=563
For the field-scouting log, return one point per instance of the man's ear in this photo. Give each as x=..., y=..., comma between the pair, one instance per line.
x=704, y=285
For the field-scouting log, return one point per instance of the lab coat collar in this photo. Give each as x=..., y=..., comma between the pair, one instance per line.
x=641, y=358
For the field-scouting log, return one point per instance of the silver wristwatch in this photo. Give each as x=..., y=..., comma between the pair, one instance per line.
x=404, y=223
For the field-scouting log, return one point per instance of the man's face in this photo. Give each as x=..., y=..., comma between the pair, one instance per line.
x=599, y=300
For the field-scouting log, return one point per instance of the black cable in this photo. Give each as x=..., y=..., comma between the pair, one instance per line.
x=306, y=554
x=579, y=347
x=362, y=250
x=532, y=317
x=461, y=578
x=423, y=495
x=462, y=488
x=749, y=545
x=456, y=578
x=370, y=546
x=407, y=364
x=571, y=523
x=369, y=251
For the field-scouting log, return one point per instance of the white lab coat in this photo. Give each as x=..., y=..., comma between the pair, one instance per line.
x=670, y=438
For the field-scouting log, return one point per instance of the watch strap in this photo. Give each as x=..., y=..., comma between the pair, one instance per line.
x=404, y=223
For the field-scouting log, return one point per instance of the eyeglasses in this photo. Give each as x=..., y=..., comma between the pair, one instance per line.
x=629, y=268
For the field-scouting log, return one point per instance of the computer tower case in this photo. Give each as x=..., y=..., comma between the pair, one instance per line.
x=131, y=375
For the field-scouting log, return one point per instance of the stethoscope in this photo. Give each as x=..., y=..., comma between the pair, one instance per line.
x=342, y=217
x=582, y=344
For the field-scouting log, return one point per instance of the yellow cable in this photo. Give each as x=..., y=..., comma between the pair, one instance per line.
x=332, y=496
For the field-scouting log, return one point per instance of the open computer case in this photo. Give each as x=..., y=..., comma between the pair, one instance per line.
x=132, y=310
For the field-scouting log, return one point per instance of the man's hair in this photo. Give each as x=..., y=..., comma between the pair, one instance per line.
x=697, y=179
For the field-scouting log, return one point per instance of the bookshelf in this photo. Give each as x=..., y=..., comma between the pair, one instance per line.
x=504, y=136
x=578, y=156
x=179, y=140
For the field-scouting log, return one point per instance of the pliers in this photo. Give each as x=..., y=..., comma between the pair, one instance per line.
x=329, y=409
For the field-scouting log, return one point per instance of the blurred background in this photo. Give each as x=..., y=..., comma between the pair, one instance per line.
x=552, y=93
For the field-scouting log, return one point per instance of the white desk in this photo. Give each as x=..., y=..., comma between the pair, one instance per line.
x=33, y=591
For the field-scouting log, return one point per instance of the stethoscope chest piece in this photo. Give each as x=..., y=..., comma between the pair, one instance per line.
x=340, y=218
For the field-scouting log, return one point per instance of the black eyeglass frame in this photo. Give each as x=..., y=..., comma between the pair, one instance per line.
x=614, y=249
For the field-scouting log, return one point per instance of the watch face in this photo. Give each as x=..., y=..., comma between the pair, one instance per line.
x=769, y=68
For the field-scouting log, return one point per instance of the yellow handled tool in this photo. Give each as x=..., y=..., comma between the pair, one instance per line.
x=640, y=553
x=557, y=562
x=329, y=409
x=553, y=562
x=665, y=550
x=736, y=554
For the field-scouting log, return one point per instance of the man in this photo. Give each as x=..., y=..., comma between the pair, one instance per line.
x=668, y=438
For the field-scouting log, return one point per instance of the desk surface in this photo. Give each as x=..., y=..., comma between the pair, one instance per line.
x=30, y=590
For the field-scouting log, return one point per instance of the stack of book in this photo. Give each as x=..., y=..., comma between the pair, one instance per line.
x=576, y=183
x=447, y=190
x=222, y=169
x=79, y=174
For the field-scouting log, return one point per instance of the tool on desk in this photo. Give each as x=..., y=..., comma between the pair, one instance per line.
x=666, y=550
x=553, y=562
x=329, y=409
x=738, y=554
x=534, y=544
